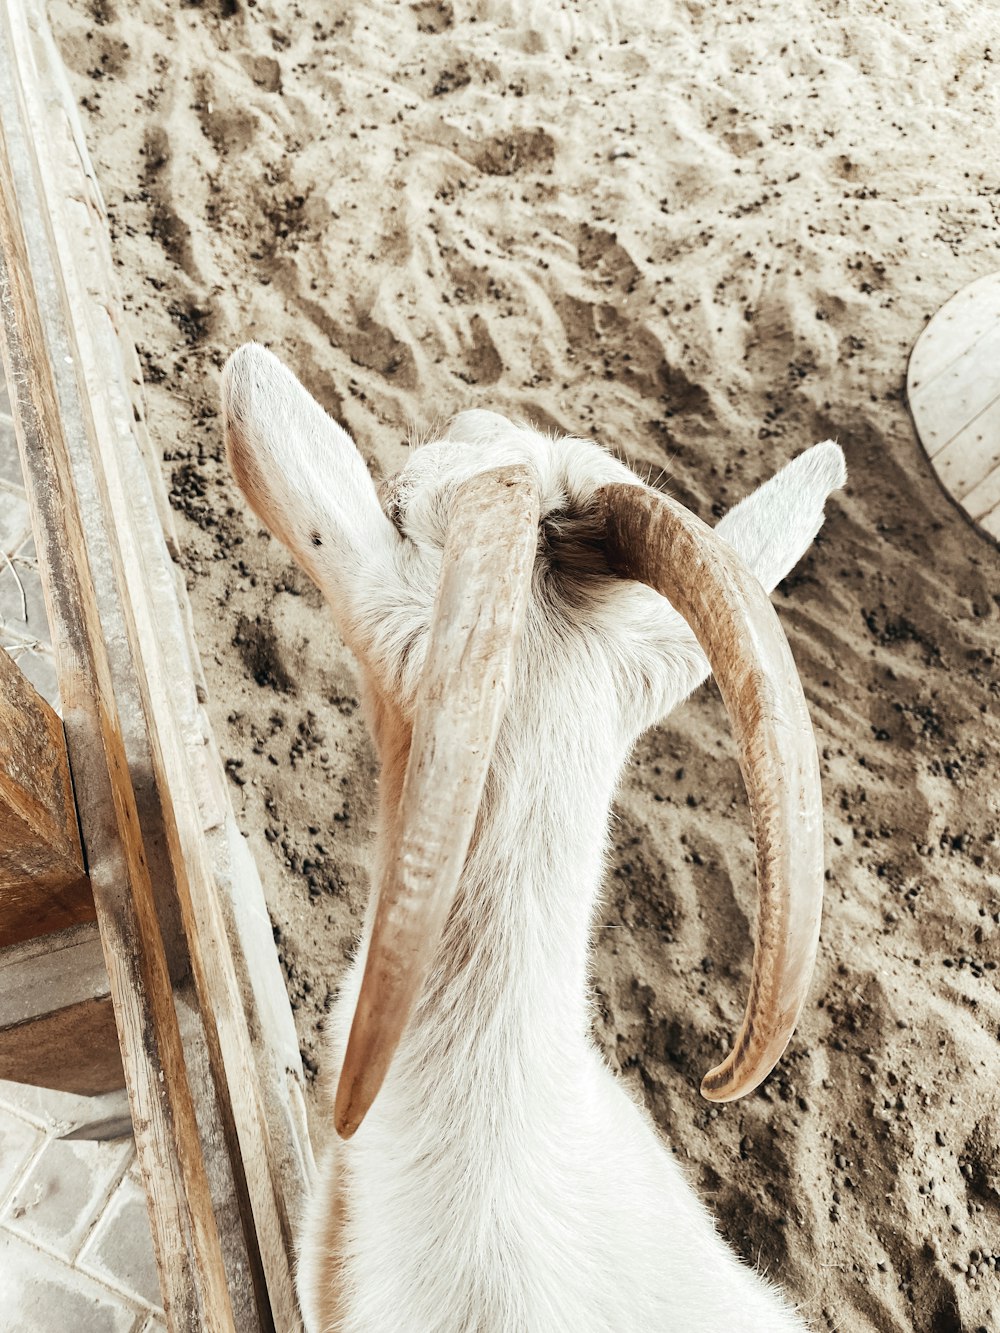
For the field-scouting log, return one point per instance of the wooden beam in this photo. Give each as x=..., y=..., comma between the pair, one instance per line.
x=43, y=885
x=238, y=1038
x=185, y=1235
x=72, y=1050
x=57, y=1023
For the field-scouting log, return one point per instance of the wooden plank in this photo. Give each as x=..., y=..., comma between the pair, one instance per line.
x=43, y=884
x=244, y=1118
x=984, y=497
x=54, y=449
x=113, y=383
x=971, y=455
x=72, y=1050
x=230, y=1051
x=57, y=1026
x=256, y=1066
x=953, y=391
x=40, y=87
x=991, y=523
x=44, y=974
x=947, y=403
x=955, y=328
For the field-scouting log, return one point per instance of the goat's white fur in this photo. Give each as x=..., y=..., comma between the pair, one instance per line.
x=503, y=1179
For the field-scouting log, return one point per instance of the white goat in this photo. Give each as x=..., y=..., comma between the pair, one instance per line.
x=502, y=1179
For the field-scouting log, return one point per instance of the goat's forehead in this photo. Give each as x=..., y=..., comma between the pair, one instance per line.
x=476, y=441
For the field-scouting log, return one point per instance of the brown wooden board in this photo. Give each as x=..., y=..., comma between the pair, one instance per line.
x=185, y=1235
x=57, y=1025
x=43, y=886
x=74, y=545
x=73, y=1049
x=244, y=1077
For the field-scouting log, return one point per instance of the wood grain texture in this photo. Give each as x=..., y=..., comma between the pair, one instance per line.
x=242, y=1077
x=653, y=539
x=43, y=884
x=159, y=748
x=57, y=1027
x=74, y=1049
x=43, y=974
x=953, y=391
x=972, y=455
x=67, y=531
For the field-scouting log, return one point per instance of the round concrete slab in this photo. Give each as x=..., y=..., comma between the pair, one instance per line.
x=953, y=387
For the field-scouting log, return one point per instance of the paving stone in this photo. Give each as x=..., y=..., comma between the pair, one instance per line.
x=59, y=1199
x=38, y=1294
x=28, y=550
x=120, y=1249
x=39, y=1105
x=24, y=626
x=15, y=520
x=18, y=1141
x=22, y=602
x=10, y=458
x=57, y=1112
x=40, y=668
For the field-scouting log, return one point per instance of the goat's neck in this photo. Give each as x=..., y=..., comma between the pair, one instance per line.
x=509, y=996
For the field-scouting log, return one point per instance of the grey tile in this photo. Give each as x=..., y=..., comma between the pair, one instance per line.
x=15, y=521
x=57, y=1202
x=54, y=1112
x=154, y=1324
x=10, y=458
x=19, y=1140
x=39, y=1105
x=37, y=663
x=119, y=1251
x=22, y=602
x=38, y=1294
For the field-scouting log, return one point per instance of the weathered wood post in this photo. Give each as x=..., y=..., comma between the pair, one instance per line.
x=207, y=1040
x=43, y=884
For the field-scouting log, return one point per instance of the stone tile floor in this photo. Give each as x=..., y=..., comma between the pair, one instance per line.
x=75, y=1249
x=24, y=630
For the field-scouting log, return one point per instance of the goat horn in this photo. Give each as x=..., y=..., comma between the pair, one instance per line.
x=478, y=615
x=656, y=541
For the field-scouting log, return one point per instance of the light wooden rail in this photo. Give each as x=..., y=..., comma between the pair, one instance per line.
x=207, y=1042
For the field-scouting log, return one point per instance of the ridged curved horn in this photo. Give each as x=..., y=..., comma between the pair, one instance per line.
x=478, y=616
x=656, y=541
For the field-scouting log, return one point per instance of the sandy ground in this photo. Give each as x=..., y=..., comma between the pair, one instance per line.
x=707, y=235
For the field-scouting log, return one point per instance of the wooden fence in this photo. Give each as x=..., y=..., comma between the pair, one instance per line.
x=118, y=813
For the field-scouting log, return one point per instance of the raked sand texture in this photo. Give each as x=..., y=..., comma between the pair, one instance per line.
x=707, y=235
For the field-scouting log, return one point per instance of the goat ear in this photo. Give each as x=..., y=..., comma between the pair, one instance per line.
x=770, y=531
x=305, y=479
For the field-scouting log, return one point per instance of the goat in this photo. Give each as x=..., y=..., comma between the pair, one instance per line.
x=495, y=596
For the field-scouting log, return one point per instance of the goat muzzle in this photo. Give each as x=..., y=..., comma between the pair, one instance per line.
x=476, y=625
x=655, y=540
